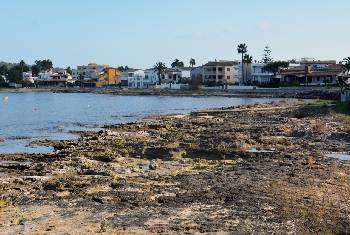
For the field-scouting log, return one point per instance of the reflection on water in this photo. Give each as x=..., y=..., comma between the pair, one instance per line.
x=7, y=163
x=340, y=156
x=25, y=117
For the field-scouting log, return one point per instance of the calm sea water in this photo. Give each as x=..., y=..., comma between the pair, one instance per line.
x=25, y=117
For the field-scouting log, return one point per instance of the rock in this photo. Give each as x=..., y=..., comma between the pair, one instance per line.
x=97, y=199
x=153, y=165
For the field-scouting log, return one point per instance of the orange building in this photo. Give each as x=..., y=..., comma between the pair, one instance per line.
x=112, y=76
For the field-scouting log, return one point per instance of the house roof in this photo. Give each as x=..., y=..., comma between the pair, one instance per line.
x=131, y=70
x=172, y=70
x=184, y=68
x=319, y=62
x=331, y=70
x=221, y=63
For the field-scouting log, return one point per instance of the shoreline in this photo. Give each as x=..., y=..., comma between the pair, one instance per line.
x=298, y=93
x=256, y=168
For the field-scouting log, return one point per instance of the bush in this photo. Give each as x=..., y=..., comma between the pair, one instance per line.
x=342, y=107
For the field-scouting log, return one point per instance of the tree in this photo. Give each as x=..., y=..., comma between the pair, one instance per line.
x=274, y=67
x=15, y=74
x=35, y=70
x=22, y=64
x=342, y=80
x=267, y=58
x=346, y=64
x=2, y=80
x=24, y=67
x=123, y=69
x=3, y=70
x=247, y=59
x=160, y=69
x=242, y=49
x=44, y=65
x=192, y=62
x=177, y=64
x=69, y=70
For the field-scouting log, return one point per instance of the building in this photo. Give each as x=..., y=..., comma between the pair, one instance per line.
x=151, y=78
x=220, y=72
x=28, y=77
x=89, y=72
x=258, y=75
x=172, y=75
x=133, y=78
x=197, y=74
x=46, y=75
x=185, y=74
x=96, y=75
x=313, y=72
x=58, y=79
x=112, y=76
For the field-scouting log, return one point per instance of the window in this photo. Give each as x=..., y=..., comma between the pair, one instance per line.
x=228, y=69
x=220, y=69
x=228, y=77
x=220, y=77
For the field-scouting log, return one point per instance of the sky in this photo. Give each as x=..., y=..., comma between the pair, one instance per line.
x=139, y=33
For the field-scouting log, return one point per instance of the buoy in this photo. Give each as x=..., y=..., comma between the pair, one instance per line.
x=5, y=98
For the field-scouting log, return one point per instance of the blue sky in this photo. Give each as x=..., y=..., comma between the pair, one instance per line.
x=139, y=33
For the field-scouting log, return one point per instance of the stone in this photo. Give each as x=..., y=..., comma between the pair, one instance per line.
x=153, y=165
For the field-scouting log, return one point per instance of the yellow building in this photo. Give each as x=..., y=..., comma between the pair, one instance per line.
x=112, y=76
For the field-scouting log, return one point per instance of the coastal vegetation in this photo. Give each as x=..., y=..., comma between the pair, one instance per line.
x=242, y=49
x=192, y=62
x=267, y=58
x=14, y=72
x=177, y=64
x=160, y=69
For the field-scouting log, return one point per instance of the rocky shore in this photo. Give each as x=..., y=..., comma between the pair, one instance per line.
x=259, y=169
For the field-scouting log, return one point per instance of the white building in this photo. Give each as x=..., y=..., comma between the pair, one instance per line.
x=254, y=73
x=185, y=73
x=258, y=75
x=28, y=77
x=133, y=78
x=45, y=75
x=151, y=78
x=172, y=75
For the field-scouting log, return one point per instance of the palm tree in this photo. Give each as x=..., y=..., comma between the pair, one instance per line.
x=160, y=69
x=192, y=62
x=247, y=59
x=177, y=64
x=242, y=49
x=342, y=80
x=346, y=64
x=22, y=64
